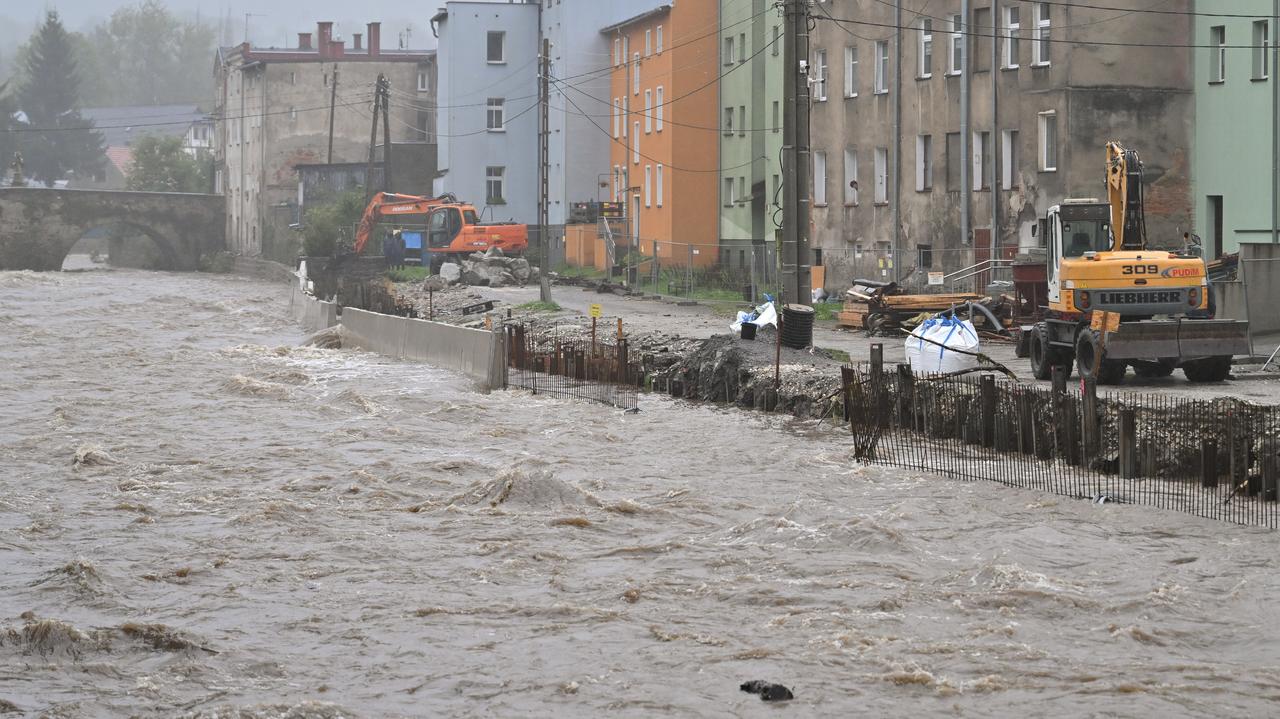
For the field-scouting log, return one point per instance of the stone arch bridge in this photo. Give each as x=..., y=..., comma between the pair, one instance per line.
x=39, y=226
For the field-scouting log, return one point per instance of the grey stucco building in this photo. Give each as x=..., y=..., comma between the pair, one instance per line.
x=1044, y=92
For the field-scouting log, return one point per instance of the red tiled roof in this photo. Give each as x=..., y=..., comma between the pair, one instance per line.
x=122, y=158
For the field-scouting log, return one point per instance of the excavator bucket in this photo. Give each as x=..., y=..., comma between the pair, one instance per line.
x=1180, y=339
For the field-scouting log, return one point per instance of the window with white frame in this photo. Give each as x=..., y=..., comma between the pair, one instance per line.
x=658, y=44
x=493, y=185
x=626, y=113
x=1012, y=27
x=728, y=50
x=742, y=189
x=925, y=49
x=820, y=76
x=742, y=119
x=882, y=67
x=742, y=47
x=1261, y=49
x=882, y=175
x=955, y=54
x=850, y=176
x=648, y=111
x=648, y=185
x=1048, y=141
x=648, y=42
x=424, y=81
x=635, y=144
x=497, y=47
x=1218, y=53
x=727, y=192
x=980, y=180
x=924, y=163
x=659, y=109
x=496, y=122
x=820, y=178
x=635, y=75
x=617, y=51
x=1008, y=159
x=658, y=188
x=728, y=121
x=777, y=117
x=617, y=116
x=1040, y=38
x=850, y=71
x=777, y=41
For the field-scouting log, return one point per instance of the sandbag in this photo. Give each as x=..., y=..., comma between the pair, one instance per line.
x=948, y=333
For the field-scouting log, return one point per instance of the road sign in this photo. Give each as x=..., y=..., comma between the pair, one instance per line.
x=596, y=311
x=935, y=278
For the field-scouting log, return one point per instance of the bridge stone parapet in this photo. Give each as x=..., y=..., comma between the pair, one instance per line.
x=39, y=226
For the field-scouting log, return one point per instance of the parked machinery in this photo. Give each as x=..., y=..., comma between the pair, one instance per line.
x=444, y=226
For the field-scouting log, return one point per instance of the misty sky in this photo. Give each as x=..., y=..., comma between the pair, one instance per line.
x=276, y=22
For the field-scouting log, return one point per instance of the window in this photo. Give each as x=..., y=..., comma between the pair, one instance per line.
x=626, y=113
x=924, y=256
x=728, y=50
x=1008, y=159
x=648, y=43
x=635, y=75
x=955, y=56
x=497, y=49
x=1218, y=54
x=635, y=144
x=882, y=67
x=953, y=162
x=777, y=185
x=626, y=48
x=924, y=163
x=493, y=185
x=1260, y=49
x=820, y=179
x=1040, y=40
x=659, y=188
x=1048, y=141
x=495, y=117
x=660, y=107
x=851, y=71
x=728, y=121
x=777, y=40
x=617, y=116
x=648, y=111
x=1012, y=26
x=727, y=192
x=742, y=190
x=981, y=160
x=742, y=47
x=293, y=113
x=820, y=77
x=926, y=49
x=617, y=51
x=981, y=40
x=882, y=175
x=742, y=119
x=648, y=185
x=659, y=51
x=424, y=81
x=777, y=117
x=850, y=177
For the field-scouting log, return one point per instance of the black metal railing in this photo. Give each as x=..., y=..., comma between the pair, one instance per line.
x=598, y=369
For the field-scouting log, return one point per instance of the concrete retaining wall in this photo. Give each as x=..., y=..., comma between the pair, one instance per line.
x=265, y=269
x=476, y=353
x=309, y=312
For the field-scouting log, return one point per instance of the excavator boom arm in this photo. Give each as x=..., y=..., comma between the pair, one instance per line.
x=1124, y=192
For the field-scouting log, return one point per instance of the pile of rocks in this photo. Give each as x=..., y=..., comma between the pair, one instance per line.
x=489, y=269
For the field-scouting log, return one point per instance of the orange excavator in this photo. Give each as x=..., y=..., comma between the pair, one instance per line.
x=445, y=226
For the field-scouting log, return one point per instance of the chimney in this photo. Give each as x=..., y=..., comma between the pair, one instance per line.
x=324, y=33
x=337, y=48
x=355, y=41
x=304, y=41
x=375, y=39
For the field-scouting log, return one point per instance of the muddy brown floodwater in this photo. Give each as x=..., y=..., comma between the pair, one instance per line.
x=199, y=517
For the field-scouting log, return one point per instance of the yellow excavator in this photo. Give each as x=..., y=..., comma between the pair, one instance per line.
x=1114, y=302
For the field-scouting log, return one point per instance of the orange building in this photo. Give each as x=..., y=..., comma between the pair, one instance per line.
x=665, y=150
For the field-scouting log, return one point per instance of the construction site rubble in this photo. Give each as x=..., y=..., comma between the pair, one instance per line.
x=490, y=269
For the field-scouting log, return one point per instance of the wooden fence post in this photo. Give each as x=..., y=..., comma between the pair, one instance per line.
x=1209, y=463
x=1128, y=443
x=987, y=392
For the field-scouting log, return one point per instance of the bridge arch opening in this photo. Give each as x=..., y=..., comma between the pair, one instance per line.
x=120, y=244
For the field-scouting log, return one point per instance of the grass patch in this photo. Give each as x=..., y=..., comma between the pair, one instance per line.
x=826, y=310
x=409, y=274
x=539, y=306
x=837, y=355
x=589, y=273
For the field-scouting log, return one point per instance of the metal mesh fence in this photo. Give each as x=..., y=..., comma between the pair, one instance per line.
x=1217, y=458
x=596, y=369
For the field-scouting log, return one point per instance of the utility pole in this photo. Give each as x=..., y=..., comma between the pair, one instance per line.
x=544, y=181
x=333, y=104
x=385, y=87
x=795, y=150
x=373, y=141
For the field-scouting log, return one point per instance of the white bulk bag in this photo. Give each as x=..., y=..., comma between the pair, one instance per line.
x=936, y=356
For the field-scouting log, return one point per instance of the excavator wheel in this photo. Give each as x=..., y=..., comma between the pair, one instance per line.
x=1092, y=362
x=1210, y=369
x=1041, y=354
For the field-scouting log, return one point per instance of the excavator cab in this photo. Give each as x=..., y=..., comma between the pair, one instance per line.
x=443, y=226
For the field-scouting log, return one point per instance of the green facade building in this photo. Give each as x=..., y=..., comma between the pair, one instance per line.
x=750, y=130
x=1231, y=166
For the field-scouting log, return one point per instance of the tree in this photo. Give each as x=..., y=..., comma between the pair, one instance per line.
x=8, y=136
x=147, y=56
x=330, y=225
x=58, y=139
x=161, y=165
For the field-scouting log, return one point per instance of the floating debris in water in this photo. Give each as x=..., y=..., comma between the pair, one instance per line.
x=768, y=691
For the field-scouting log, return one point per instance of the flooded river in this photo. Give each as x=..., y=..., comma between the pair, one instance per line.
x=199, y=517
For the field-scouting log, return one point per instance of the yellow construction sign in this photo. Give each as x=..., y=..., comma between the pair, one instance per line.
x=595, y=311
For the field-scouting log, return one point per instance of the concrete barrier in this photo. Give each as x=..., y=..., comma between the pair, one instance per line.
x=478, y=354
x=314, y=315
